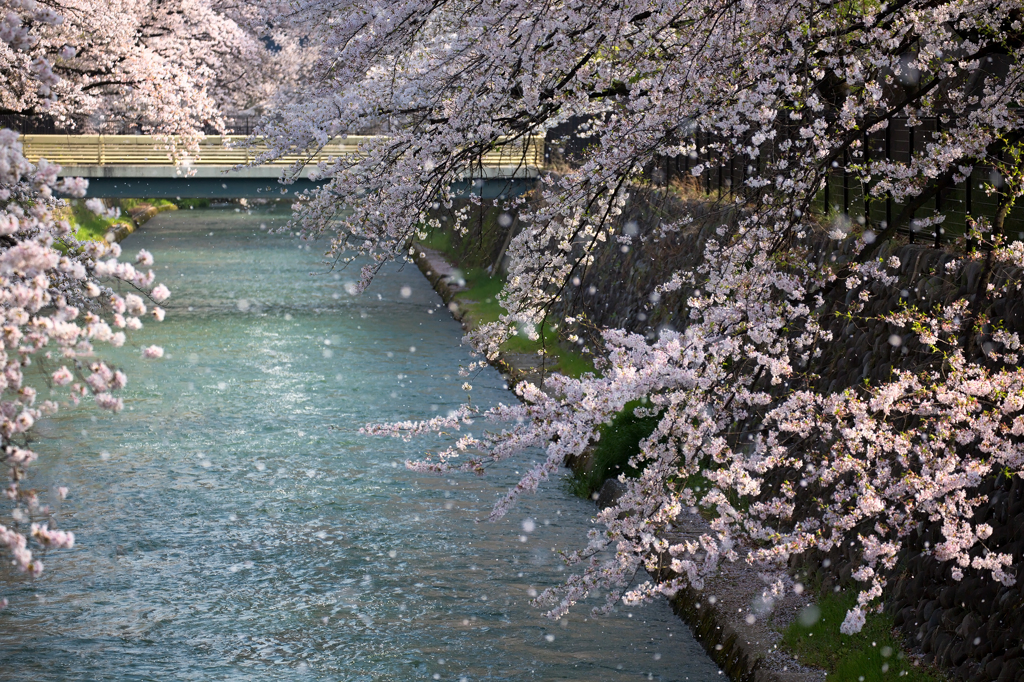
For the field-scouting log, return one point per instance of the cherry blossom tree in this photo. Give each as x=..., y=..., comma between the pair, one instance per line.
x=174, y=68
x=56, y=306
x=789, y=92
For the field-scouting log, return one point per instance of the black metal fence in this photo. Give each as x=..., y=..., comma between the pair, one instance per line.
x=844, y=194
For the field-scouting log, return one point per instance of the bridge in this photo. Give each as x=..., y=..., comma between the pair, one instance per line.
x=121, y=166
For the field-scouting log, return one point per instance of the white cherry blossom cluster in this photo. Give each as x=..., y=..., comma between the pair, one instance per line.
x=170, y=68
x=57, y=302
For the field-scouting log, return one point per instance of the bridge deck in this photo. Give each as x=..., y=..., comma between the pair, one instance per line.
x=148, y=156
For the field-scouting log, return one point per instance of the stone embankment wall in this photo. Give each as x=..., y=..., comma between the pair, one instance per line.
x=974, y=627
x=139, y=216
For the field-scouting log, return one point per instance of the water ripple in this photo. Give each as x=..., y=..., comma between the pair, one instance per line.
x=233, y=524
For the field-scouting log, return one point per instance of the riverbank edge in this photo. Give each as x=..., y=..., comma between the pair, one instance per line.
x=140, y=216
x=717, y=615
x=118, y=228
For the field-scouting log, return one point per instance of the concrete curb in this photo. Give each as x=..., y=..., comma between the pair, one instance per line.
x=725, y=620
x=441, y=276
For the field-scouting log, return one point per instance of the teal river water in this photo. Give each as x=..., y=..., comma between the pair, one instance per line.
x=232, y=523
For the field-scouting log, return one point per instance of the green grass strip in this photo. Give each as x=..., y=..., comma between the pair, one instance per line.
x=875, y=654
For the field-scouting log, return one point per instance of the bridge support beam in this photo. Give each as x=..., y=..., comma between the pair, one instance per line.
x=234, y=187
x=195, y=188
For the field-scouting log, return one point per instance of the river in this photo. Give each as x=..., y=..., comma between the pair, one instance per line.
x=232, y=523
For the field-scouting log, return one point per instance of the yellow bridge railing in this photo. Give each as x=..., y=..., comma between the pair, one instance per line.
x=215, y=150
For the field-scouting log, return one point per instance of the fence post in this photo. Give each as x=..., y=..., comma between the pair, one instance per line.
x=968, y=190
x=864, y=188
x=846, y=184
x=888, y=155
x=720, y=170
x=825, y=203
x=910, y=148
x=743, y=175
x=938, y=195
x=707, y=166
